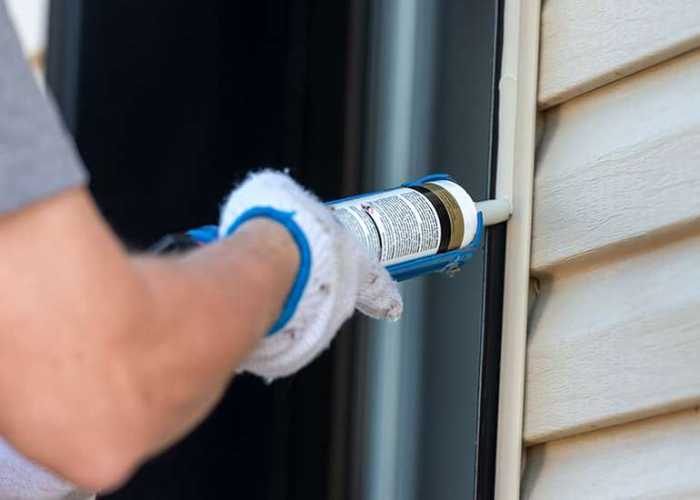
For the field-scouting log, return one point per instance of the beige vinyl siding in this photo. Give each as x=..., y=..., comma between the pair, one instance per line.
x=618, y=164
x=615, y=341
x=589, y=43
x=655, y=459
x=613, y=360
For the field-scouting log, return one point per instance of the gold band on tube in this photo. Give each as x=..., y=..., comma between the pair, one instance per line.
x=454, y=212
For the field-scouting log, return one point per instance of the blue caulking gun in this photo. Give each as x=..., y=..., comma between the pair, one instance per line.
x=430, y=225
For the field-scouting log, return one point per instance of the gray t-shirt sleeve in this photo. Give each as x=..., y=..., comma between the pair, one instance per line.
x=37, y=156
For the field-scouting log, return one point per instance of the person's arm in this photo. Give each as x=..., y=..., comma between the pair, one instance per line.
x=106, y=358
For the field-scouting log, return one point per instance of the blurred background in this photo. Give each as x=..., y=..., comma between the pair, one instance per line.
x=172, y=102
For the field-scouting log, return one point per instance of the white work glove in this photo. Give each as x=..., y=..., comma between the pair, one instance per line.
x=20, y=479
x=336, y=274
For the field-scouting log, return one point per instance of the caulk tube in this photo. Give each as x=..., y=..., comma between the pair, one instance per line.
x=410, y=222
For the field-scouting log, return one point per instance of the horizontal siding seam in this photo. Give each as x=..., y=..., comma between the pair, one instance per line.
x=630, y=70
x=589, y=44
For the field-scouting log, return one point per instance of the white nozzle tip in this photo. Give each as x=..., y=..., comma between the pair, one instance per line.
x=494, y=211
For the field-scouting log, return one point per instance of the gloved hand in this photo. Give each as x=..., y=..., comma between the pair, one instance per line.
x=336, y=275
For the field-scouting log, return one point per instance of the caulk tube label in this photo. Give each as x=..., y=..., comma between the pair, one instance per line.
x=407, y=223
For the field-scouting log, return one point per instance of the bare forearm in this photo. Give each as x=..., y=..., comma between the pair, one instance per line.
x=208, y=310
x=117, y=356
